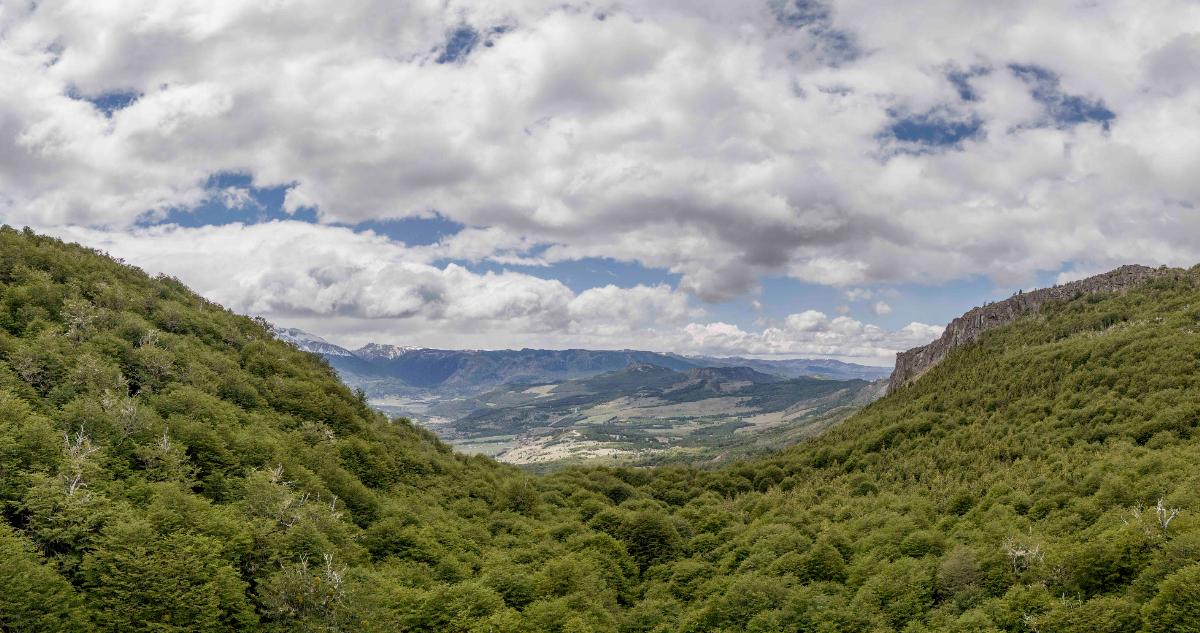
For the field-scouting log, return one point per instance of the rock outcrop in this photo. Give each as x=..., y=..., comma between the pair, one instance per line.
x=916, y=361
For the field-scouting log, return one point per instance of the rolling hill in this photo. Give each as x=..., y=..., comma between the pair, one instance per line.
x=410, y=379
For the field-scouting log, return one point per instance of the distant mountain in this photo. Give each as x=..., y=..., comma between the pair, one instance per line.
x=377, y=352
x=541, y=406
x=389, y=370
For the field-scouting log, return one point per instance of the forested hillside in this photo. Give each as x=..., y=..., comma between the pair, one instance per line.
x=166, y=465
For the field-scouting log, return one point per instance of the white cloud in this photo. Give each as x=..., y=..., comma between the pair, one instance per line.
x=633, y=306
x=354, y=288
x=880, y=308
x=829, y=270
x=717, y=140
x=807, y=321
x=843, y=310
x=810, y=334
x=294, y=269
x=492, y=243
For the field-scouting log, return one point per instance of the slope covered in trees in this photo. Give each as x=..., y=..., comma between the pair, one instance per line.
x=166, y=465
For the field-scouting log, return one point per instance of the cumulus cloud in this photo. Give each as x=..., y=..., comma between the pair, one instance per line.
x=839, y=142
x=809, y=334
x=289, y=269
x=880, y=308
x=354, y=288
x=494, y=244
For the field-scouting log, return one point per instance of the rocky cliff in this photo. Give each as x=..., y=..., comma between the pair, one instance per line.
x=916, y=361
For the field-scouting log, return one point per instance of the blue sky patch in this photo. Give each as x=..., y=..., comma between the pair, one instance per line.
x=498, y=30
x=227, y=207
x=413, y=231
x=592, y=272
x=934, y=128
x=1063, y=110
x=459, y=44
x=961, y=80
x=108, y=102
x=265, y=204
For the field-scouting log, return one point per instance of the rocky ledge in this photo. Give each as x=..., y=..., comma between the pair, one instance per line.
x=916, y=361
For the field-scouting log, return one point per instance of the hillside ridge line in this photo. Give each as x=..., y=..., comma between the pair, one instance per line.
x=911, y=364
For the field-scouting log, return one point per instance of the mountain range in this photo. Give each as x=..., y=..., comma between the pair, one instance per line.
x=386, y=370
x=552, y=408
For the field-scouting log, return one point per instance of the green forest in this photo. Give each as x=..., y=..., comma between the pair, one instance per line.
x=167, y=465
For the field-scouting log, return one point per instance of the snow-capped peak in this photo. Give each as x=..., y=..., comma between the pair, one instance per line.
x=376, y=351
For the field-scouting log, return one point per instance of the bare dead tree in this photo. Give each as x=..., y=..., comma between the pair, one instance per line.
x=287, y=509
x=275, y=476
x=80, y=315
x=157, y=361
x=1023, y=553
x=78, y=448
x=1155, y=526
x=1163, y=516
x=149, y=339
x=333, y=578
x=163, y=453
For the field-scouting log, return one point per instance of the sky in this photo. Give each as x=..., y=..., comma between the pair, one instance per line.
x=770, y=178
